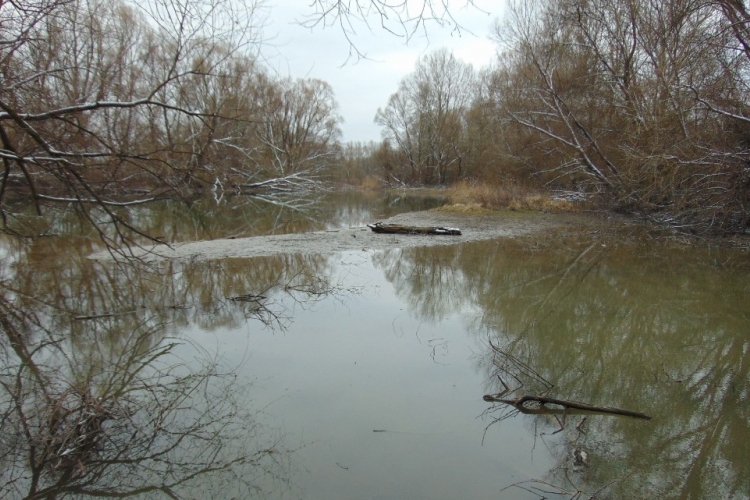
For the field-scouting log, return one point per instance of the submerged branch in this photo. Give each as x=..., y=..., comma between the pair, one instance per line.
x=519, y=403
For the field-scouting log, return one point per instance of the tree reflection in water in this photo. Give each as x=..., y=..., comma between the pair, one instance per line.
x=96, y=398
x=112, y=406
x=99, y=396
x=132, y=420
x=623, y=322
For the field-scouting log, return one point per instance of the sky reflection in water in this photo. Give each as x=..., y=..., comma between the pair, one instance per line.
x=363, y=362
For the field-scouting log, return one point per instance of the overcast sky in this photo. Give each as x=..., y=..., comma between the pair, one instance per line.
x=361, y=87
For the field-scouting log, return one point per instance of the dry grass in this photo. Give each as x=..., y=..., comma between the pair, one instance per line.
x=465, y=208
x=475, y=197
x=371, y=182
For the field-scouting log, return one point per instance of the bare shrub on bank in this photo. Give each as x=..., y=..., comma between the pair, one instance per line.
x=643, y=102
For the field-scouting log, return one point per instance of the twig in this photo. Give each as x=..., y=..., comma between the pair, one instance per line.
x=104, y=315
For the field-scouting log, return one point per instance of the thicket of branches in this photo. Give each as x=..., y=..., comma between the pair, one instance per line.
x=644, y=102
x=103, y=98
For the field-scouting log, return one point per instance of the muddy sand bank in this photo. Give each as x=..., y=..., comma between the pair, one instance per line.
x=473, y=228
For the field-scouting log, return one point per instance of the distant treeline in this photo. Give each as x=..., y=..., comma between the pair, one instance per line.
x=644, y=103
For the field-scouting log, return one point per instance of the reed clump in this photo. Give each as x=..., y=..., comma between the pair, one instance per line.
x=474, y=197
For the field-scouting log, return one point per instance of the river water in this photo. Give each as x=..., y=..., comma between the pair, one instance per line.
x=360, y=374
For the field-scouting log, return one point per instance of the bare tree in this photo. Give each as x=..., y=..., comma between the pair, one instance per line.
x=635, y=97
x=425, y=118
x=300, y=130
x=93, y=97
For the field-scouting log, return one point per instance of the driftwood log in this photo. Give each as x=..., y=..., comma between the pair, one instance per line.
x=379, y=227
x=519, y=403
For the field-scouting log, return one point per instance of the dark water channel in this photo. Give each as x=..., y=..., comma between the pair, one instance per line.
x=361, y=374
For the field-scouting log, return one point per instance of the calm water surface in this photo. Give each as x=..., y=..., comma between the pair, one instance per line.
x=364, y=371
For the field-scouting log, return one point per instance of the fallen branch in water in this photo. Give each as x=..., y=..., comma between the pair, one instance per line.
x=519, y=403
x=379, y=227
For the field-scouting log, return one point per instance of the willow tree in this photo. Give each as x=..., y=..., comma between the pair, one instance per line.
x=300, y=129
